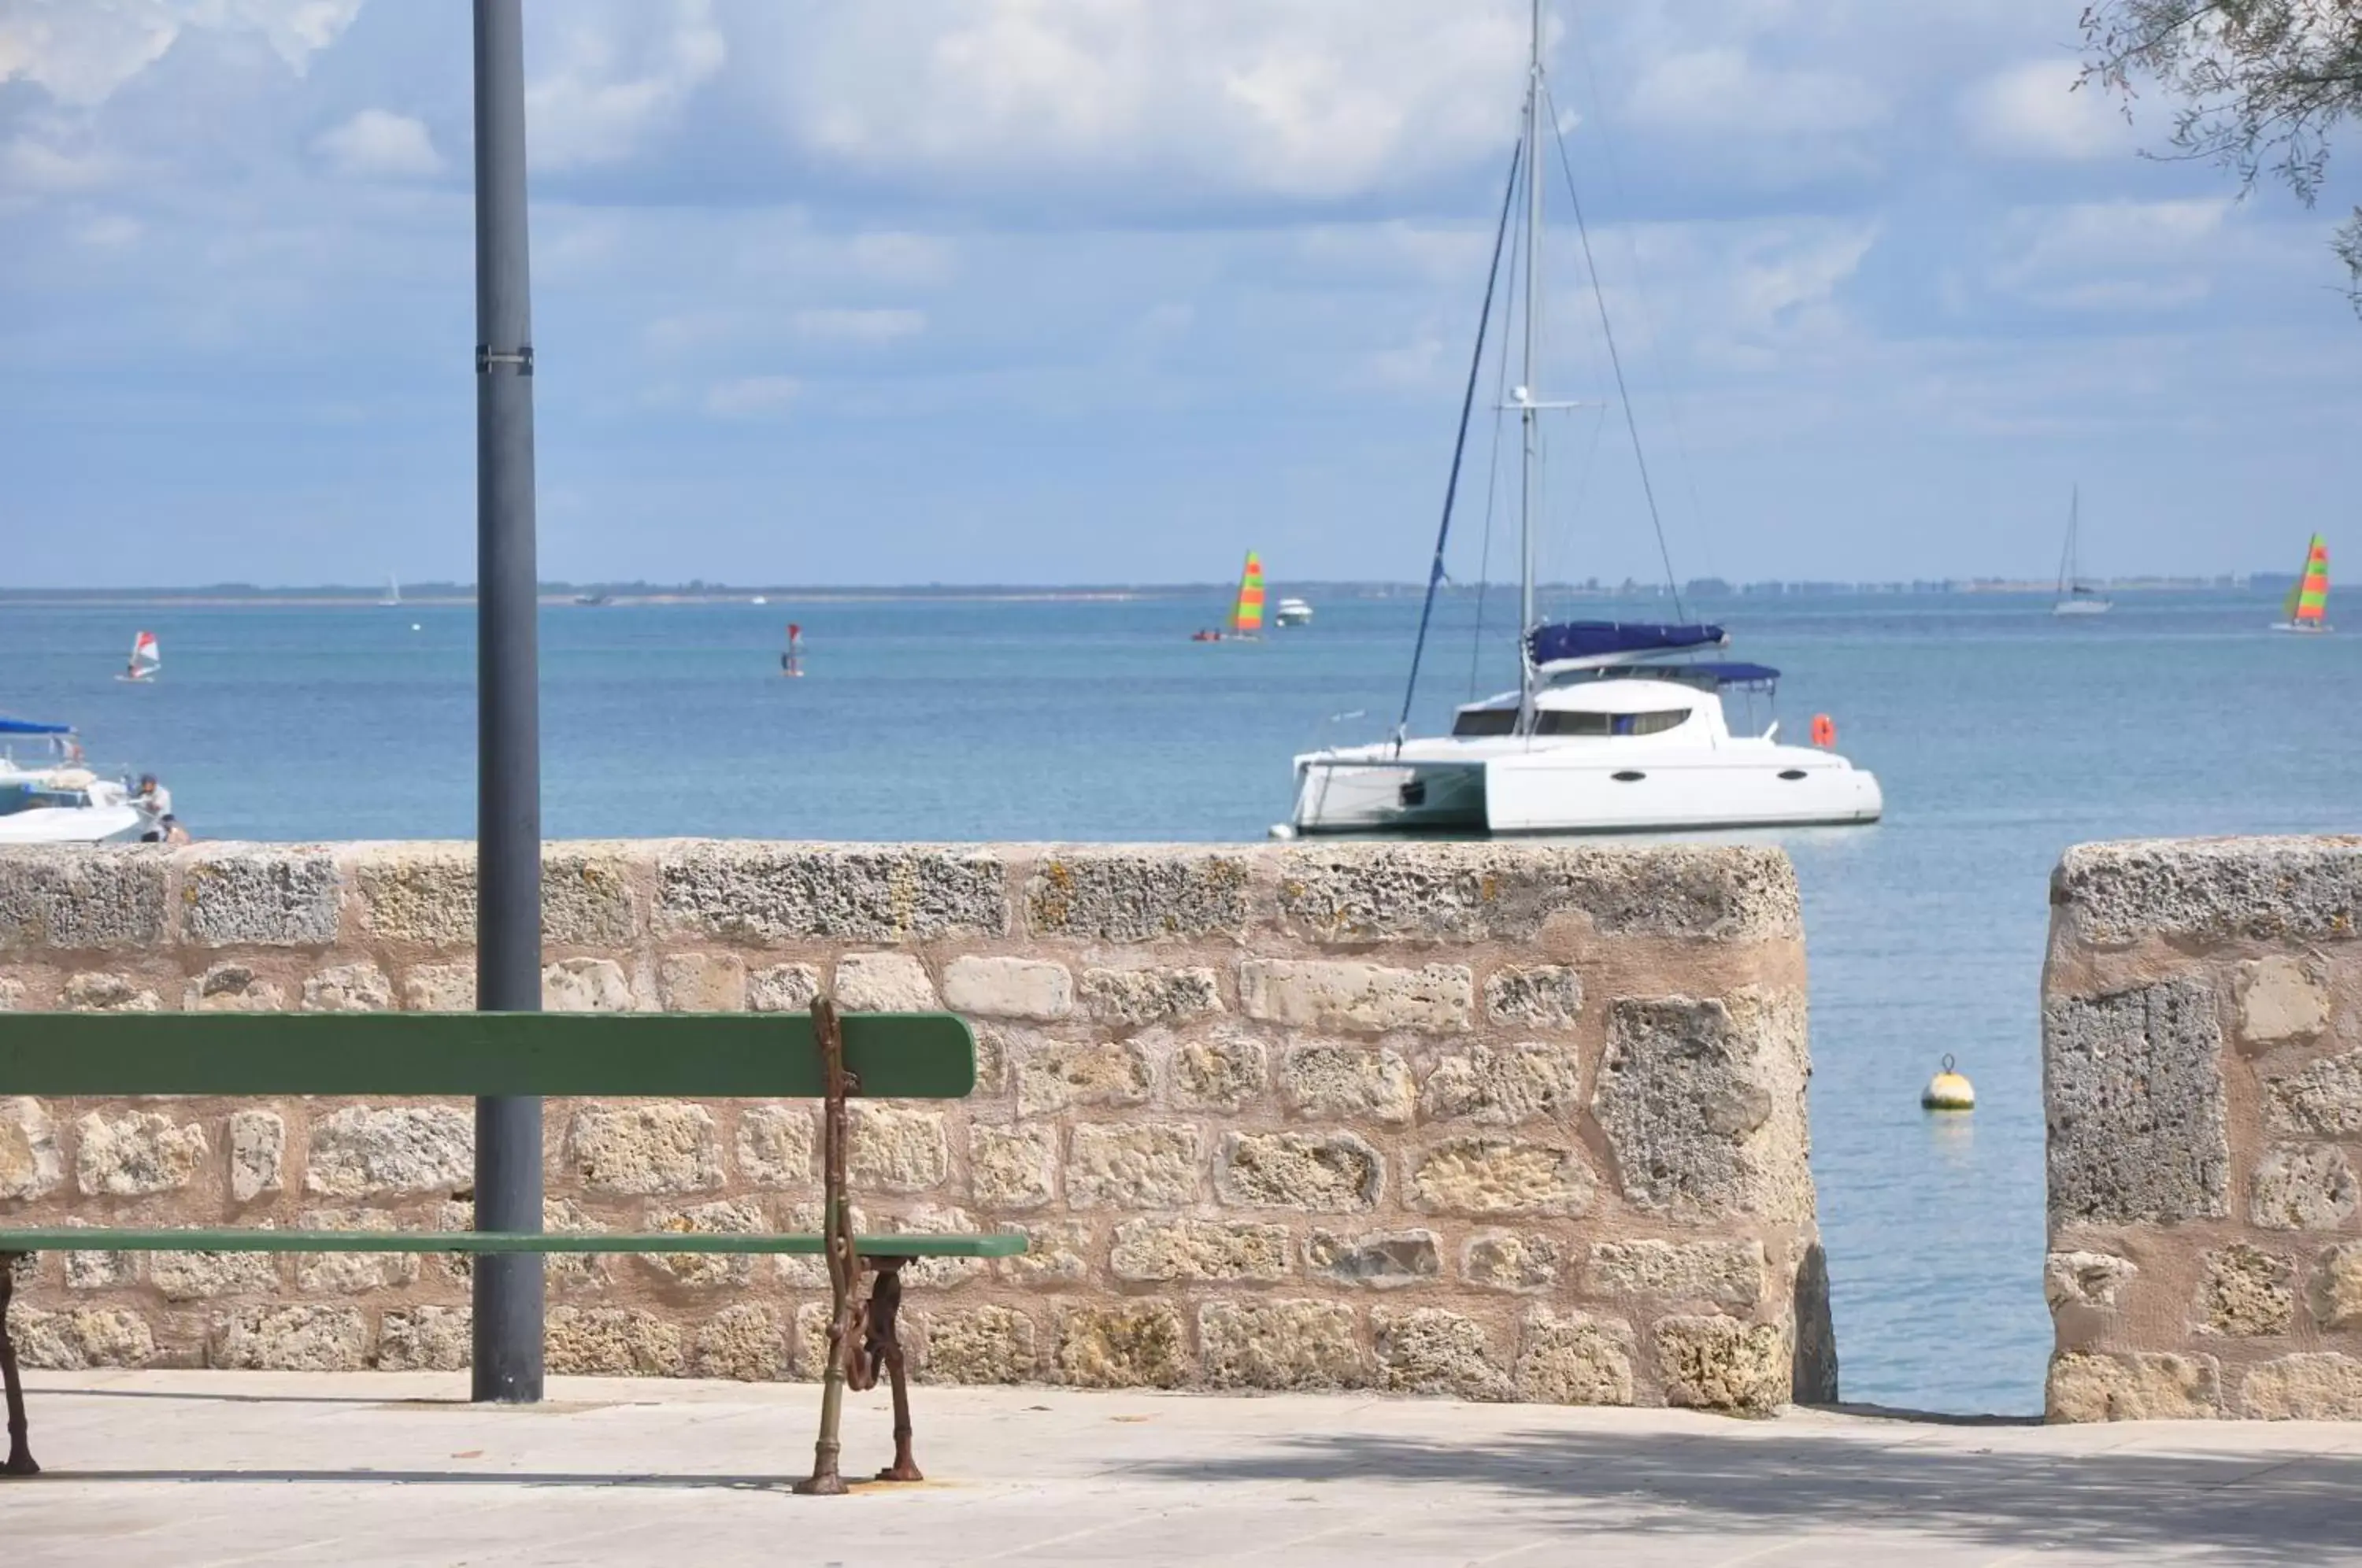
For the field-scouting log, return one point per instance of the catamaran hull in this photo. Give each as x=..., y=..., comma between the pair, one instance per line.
x=1547, y=792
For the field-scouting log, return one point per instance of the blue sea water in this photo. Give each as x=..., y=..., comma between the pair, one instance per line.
x=2001, y=734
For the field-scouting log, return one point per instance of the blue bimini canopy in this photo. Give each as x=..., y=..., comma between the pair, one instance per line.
x=1582, y=644
x=1737, y=674
x=31, y=727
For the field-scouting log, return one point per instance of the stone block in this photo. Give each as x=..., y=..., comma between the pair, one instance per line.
x=1012, y=1167
x=1291, y=1346
x=1008, y=988
x=1144, y=1165
x=419, y=893
x=196, y=1277
x=2301, y=1186
x=439, y=987
x=644, y=1147
x=348, y=987
x=992, y=1053
x=2323, y=1100
x=2260, y=889
x=777, y=1144
x=360, y=1150
x=258, y=1146
x=30, y=1164
x=12, y=994
x=1722, y=1364
x=255, y=895
x=94, y=992
x=1149, y=996
x=1538, y=996
x=782, y=987
x=2085, y=1279
x=2134, y=1086
x=894, y=1150
x=290, y=1339
x=774, y=892
x=618, y=1340
x=1502, y=1087
x=1138, y=895
x=1728, y=1273
x=1498, y=1260
x=1053, y=1075
x=232, y=987
x=980, y=1344
x=1481, y=1176
x=2133, y=1387
x=1138, y=1346
x=810, y=1341
x=748, y=1342
x=102, y=1271
x=586, y=895
x=352, y=1274
x=1425, y=1350
x=1326, y=1172
x=1162, y=1250
x=81, y=1338
x=1380, y=1259
x=884, y=982
x=2337, y=1293
x=1056, y=1255
x=1354, y=996
x=1437, y=892
x=1226, y=1070
x=425, y=1339
x=723, y=1216
x=2280, y=999
x=138, y=1153
x=1575, y=1360
x=1348, y=1082
x=106, y=896
x=585, y=985
x=1703, y=1102
x=2319, y=1385
x=2246, y=1291
x=563, y=1270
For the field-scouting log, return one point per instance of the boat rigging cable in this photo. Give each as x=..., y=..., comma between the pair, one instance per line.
x=1492, y=493
x=1459, y=447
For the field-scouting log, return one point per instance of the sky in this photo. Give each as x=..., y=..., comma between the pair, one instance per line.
x=1109, y=291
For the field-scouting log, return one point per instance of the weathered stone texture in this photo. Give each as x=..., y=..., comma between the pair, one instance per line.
x=1012, y=1167
x=362, y=1149
x=2336, y=1291
x=1381, y=1259
x=2085, y=1279
x=701, y=982
x=777, y=1144
x=884, y=982
x=2280, y=999
x=138, y=1153
x=30, y=1164
x=895, y=1150
x=1502, y=1175
x=82, y=1337
x=615, y=1340
x=245, y=896
x=1575, y=1360
x=1703, y=1102
x=97, y=992
x=2251, y=888
x=586, y=895
x=782, y=987
x=2323, y=1101
x=1149, y=996
x=1280, y=1345
x=748, y=1342
x=1056, y=1255
x=439, y=987
x=1498, y=1260
x=102, y=1271
x=193, y=1276
x=1429, y=1349
x=2248, y=1292
x=852, y=892
x=1348, y=1082
x=666, y=1147
x=723, y=1216
x=1730, y=1274
x=2133, y=1087
x=425, y=1339
x=423, y=893
x=1142, y=1165
x=103, y=897
x=1365, y=997
x=1224, y=1071
x=1158, y=1250
x=585, y=985
x=2320, y=1386
x=1008, y=988
x=291, y=1339
x=1122, y=1347
x=1542, y=995
x=1503, y=1086
x=2304, y=1186
x=1053, y=1075
x=350, y=1273
x=2133, y=1387
x=348, y=987
x=982, y=1344
x=1137, y=895
x=1331, y=1172
x=1721, y=1364
x=232, y=987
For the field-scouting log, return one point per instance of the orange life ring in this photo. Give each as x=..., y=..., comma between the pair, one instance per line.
x=1825, y=730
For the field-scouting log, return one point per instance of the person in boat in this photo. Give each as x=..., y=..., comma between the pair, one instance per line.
x=152, y=801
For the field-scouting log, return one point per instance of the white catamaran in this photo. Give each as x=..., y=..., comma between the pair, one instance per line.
x=2075, y=597
x=1603, y=733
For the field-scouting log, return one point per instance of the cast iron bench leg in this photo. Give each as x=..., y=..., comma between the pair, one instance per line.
x=885, y=1302
x=20, y=1456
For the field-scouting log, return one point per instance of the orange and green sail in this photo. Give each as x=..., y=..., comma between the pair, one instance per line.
x=2308, y=604
x=1247, y=619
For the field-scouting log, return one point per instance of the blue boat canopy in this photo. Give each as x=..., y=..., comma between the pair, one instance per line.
x=31, y=727
x=1576, y=645
x=1737, y=674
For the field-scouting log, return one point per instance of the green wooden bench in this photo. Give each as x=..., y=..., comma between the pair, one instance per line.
x=819, y=1056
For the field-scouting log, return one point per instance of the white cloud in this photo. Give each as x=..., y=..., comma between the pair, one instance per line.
x=1722, y=90
x=2110, y=256
x=752, y=397
x=859, y=325
x=2035, y=110
x=31, y=163
x=112, y=231
x=376, y=142
x=621, y=75
x=81, y=51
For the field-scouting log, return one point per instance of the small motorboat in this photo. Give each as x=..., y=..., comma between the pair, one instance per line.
x=1292, y=612
x=54, y=797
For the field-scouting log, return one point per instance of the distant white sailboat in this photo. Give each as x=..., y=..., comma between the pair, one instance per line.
x=146, y=659
x=2074, y=597
x=393, y=592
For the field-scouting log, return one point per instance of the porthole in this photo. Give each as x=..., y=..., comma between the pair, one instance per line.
x=1627, y=776
x=1792, y=774
x=1415, y=793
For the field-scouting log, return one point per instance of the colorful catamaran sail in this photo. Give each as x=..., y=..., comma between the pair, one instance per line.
x=1246, y=621
x=2308, y=602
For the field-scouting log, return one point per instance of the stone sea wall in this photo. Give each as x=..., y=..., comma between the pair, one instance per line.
x=1493, y=1122
x=2202, y=1074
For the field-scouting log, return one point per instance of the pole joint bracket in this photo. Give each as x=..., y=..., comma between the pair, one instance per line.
x=521, y=359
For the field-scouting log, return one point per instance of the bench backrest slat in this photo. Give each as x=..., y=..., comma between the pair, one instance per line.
x=725, y=1055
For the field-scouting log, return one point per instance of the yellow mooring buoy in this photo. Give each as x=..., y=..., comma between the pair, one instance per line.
x=1948, y=1090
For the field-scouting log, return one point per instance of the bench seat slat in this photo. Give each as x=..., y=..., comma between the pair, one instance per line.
x=911, y=1056
x=990, y=1245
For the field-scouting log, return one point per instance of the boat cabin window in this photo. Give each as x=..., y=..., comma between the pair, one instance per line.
x=1486, y=722
x=1557, y=723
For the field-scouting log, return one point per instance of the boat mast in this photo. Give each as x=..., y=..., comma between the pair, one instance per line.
x=1530, y=396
